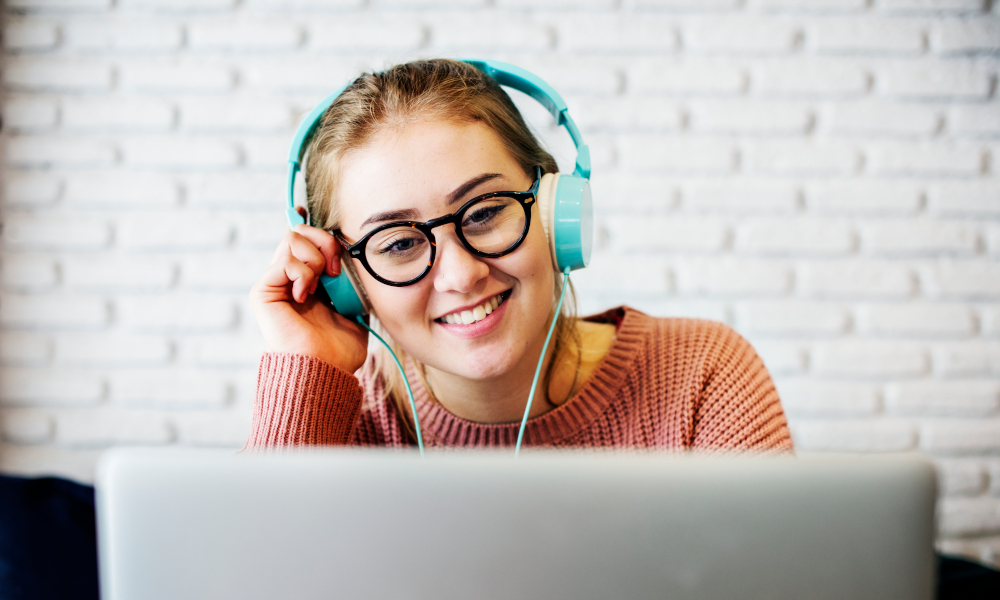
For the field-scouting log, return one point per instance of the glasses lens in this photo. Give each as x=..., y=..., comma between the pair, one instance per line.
x=398, y=254
x=493, y=225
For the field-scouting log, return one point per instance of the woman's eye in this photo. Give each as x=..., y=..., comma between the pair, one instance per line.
x=400, y=245
x=483, y=215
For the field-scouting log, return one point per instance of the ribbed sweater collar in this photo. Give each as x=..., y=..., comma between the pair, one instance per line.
x=441, y=427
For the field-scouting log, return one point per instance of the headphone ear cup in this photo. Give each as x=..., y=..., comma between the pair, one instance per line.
x=567, y=213
x=546, y=203
x=346, y=295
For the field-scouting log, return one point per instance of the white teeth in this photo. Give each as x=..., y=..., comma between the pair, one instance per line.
x=478, y=313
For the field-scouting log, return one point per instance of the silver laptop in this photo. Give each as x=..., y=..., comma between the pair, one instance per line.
x=351, y=524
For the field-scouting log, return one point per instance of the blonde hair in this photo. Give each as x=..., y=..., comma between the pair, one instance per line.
x=438, y=89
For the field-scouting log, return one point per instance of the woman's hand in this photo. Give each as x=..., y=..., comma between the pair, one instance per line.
x=290, y=316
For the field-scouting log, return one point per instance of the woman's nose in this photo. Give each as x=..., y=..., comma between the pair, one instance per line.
x=455, y=268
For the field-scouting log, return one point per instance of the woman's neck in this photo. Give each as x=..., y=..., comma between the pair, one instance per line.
x=502, y=399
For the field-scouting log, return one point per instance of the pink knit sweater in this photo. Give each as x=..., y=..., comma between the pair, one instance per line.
x=664, y=384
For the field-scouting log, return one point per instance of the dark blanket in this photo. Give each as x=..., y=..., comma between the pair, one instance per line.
x=48, y=546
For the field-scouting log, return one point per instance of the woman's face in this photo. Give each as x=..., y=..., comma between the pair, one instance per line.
x=425, y=170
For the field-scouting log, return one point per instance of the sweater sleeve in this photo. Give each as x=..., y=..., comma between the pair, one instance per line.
x=302, y=400
x=739, y=407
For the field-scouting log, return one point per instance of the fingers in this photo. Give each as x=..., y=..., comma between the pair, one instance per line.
x=288, y=270
x=325, y=243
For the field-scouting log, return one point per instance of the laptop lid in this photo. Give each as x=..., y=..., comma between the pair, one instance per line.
x=351, y=524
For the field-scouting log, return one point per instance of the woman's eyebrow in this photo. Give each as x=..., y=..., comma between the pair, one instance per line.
x=410, y=214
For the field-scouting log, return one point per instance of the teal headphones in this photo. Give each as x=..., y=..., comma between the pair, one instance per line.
x=564, y=201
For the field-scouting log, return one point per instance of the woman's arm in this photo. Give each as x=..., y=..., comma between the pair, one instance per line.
x=302, y=400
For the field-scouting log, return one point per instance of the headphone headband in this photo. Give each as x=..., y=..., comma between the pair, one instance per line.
x=505, y=74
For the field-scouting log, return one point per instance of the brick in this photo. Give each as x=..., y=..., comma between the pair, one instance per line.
x=882, y=118
x=30, y=113
x=966, y=35
x=260, y=230
x=868, y=359
x=974, y=120
x=685, y=309
x=123, y=113
x=617, y=274
x=183, y=312
x=224, y=271
x=961, y=436
x=920, y=319
x=298, y=74
x=684, y=155
x=53, y=310
x=568, y=5
x=801, y=157
x=127, y=272
x=30, y=189
x=863, y=196
x=313, y=6
x=108, y=427
x=812, y=77
x=173, y=75
x=968, y=516
x=62, y=151
x=227, y=429
x=753, y=117
x=923, y=159
x=30, y=35
x=182, y=6
x=794, y=236
x=866, y=35
x=686, y=76
x=26, y=426
x=122, y=35
x=111, y=349
x=55, y=230
x=240, y=190
x=808, y=6
x=968, y=279
x=267, y=152
x=945, y=398
x=625, y=113
x=243, y=35
x=169, y=388
x=916, y=237
x=790, y=317
x=56, y=74
x=994, y=475
x=931, y=5
x=58, y=5
x=732, y=276
x=121, y=189
x=781, y=357
x=364, y=32
x=972, y=198
x=852, y=278
x=862, y=435
x=960, y=477
x=740, y=195
x=993, y=240
x=933, y=80
x=23, y=348
x=28, y=272
x=743, y=34
x=990, y=321
x=617, y=191
x=572, y=75
x=966, y=358
x=252, y=115
x=173, y=152
x=619, y=33
x=821, y=398
x=222, y=350
x=50, y=387
x=505, y=32
x=185, y=230
x=667, y=233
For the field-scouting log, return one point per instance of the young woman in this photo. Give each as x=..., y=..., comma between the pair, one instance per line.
x=436, y=138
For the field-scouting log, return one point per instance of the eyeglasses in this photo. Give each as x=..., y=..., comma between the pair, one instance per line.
x=402, y=252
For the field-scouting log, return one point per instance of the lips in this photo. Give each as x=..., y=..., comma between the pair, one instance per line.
x=477, y=313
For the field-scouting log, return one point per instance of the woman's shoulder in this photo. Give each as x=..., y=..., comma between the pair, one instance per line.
x=697, y=335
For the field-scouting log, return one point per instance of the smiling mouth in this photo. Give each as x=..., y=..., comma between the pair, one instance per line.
x=474, y=315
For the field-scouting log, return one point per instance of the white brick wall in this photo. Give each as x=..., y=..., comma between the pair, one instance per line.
x=824, y=175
